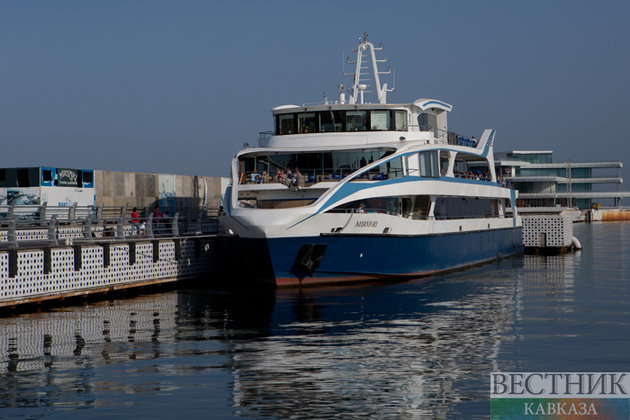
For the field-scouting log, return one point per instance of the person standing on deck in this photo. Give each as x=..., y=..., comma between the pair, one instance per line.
x=157, y=215
x=134, y=222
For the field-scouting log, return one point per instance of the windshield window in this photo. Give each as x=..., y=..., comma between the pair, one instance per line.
x=332, y=121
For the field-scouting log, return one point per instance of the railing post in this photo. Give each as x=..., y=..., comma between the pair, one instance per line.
x=199, y=231
x=120, y=227
x=175, y=225
x=72, y=214
x=11, y=235
x=99, y=214
x=149, y=228
x=52, y=231
x=87, y=229
x=42, y=214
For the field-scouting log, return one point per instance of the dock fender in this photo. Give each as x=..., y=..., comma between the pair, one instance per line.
x=575, y=243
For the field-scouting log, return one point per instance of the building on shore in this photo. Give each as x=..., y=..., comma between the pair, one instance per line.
x=543, y=183
x=86, y=187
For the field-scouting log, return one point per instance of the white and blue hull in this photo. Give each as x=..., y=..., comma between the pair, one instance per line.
x=360, y=257
x=288, y=249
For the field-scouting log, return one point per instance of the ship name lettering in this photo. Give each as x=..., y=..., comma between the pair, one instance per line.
x=366, y=223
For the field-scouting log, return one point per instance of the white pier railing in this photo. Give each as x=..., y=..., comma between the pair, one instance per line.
x=25, y=225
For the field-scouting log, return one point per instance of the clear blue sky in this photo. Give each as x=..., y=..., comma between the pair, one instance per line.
x=179, y=86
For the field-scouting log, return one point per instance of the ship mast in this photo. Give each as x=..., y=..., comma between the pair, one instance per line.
x=361, y=72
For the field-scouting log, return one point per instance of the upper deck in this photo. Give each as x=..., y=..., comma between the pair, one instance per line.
x=341, y=124
x=352, y=121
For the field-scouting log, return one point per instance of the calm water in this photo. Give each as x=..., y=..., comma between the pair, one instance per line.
x=420, y=349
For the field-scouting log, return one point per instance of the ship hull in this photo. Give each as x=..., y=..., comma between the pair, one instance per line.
x=347, y=258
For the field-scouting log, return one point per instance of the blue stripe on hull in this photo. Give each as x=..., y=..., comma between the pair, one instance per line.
x=363, y=257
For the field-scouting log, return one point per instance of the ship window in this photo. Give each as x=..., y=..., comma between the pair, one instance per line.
x=356, y=120
x=283, y=204
x=389, y=170
x=331, y=121
x=412, y=163
x=379, y=120
x=335, y=121
x=443, y=164
x=420, y=207
x=307, y=122
x=285, y=124
x=429, y=164
x=315, y=167
x=427, y=122
x=400, y=119
x=382, y=205
x=462, y=207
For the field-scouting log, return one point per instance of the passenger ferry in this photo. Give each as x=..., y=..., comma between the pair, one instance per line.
x=348, y=190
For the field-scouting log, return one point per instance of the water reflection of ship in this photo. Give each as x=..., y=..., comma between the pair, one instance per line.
x=408, y=351
x=336, y=351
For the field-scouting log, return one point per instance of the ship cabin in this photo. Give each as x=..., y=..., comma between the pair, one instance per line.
x=328, y=142
x=314, y=147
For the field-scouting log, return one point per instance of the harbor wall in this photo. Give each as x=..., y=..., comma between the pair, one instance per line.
x=115, y=188
x=31, y=275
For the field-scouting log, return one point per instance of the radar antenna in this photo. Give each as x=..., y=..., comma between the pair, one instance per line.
x=361, y=72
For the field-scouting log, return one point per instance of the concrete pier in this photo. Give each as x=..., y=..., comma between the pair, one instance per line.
x=56, y=272
x=81, y=252
x=547, y=230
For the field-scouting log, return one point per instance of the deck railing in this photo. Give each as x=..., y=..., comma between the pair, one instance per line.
x=310, y=177
x=304, y=178
x=416, y=216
